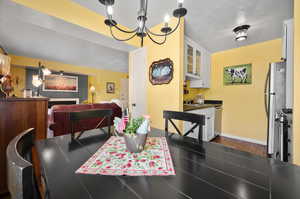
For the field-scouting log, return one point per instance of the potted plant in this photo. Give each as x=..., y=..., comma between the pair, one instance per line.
x=134, y=131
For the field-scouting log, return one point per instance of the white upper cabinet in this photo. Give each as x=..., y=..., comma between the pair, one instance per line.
x=197, y=64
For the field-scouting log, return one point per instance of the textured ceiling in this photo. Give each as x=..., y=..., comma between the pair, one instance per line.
x=33, y=34
x=210, y=22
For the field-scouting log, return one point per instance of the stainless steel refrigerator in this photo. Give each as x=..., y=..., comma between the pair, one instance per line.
x=275, y=102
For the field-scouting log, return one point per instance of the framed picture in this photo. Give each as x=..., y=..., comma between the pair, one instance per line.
x=161, y=72
x=237, y=75
x=110, y=87
x=61, y=83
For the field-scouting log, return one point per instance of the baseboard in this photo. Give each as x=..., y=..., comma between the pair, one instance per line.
x=244, y=139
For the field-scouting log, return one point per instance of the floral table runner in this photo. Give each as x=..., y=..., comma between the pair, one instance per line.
x=114, y=159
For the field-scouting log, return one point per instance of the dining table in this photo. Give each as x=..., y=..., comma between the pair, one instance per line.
x=203, y=170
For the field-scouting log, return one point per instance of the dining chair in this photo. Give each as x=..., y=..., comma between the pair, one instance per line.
x=102, y=114
x=20, y=172
x=196, y=119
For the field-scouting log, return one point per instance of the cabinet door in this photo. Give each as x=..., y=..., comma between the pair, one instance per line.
x=187, y=126
x=198, y=63
x=189, y=58
x=208, y=128
x=210, y=125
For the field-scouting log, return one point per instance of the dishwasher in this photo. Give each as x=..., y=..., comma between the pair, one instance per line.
x=218, y=120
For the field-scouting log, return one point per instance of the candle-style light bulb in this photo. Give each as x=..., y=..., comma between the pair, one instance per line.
x=109, y=10
x=180, y=3
x=46, y=71
x=141, y=24
x=166, y=20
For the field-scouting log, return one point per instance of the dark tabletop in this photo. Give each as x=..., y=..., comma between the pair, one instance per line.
x=206, y=170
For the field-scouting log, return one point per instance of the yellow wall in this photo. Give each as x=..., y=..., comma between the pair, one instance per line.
x=296, y=116
x=19, y=80
x=192, y=91
x=244, y=112
x=1, y=51
x=173, y=93
x=167, y=96
x=97, y=77
x=74, y=13
x=100, y=80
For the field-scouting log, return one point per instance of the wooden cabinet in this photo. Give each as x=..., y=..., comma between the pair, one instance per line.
x=17, y=115
x=208, y=128
x=197, y=64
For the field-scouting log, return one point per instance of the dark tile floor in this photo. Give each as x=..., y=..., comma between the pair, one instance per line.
x=257, y=149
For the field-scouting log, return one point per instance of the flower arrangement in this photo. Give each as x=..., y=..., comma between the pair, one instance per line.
x=132, y=126
x=133, y=130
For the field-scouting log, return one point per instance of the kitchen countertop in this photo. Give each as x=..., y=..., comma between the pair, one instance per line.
x=190, y=107
x=207, y=104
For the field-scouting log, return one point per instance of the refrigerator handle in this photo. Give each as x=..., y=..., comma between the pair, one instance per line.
x=266, y=93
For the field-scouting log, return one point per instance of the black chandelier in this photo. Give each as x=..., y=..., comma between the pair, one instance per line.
x=142, y=30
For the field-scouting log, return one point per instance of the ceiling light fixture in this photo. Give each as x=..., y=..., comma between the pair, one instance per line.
x=241, y=32
x=142, y=30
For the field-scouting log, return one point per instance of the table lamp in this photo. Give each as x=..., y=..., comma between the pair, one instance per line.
x=93, y=92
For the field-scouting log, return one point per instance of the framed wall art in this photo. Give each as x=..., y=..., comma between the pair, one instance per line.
x=110, y=87
x=161, y=72
x=237, y=75
x=62, y=83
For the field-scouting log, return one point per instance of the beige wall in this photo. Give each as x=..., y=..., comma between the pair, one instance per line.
x=244, y=112
x=296, y=116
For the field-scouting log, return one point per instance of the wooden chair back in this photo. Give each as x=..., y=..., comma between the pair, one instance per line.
x=196, y=119
x=76, y=116
x=21, y=178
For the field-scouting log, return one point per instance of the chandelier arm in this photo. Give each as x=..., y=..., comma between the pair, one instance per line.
x=125, y=31
x=159, y=43
x=162, y=35
x=112, y=34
